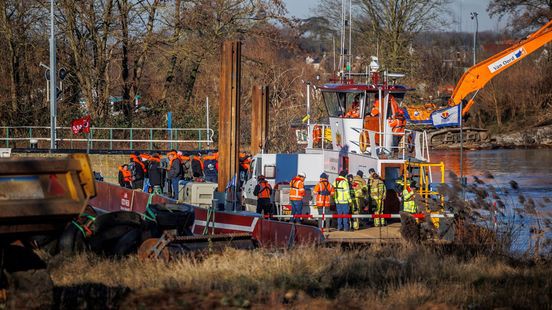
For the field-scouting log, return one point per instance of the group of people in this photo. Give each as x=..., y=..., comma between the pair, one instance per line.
x=351, y=194
x=152, y=173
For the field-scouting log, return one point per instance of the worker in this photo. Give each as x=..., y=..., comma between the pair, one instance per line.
x=354, y=112
x=210, y=171
x=187, y=173
x=397, y=124
x=408, y=202
x=361, y=190
x=138, y=170
x=145, y=157
x=400, y=182
x=174, y=173
x=263, y=191
x=377, y=193
x=125, y=176
x=296, y=195
x=155, y=174
x=323, y=191
x=342, y=198
x=375, y=108
x=197, y=168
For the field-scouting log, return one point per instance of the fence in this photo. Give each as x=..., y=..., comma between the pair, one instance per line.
x=108, y=138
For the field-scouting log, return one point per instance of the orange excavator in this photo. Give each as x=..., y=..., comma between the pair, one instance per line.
x=473, y=80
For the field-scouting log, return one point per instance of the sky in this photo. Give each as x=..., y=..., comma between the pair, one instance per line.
x=459, y=8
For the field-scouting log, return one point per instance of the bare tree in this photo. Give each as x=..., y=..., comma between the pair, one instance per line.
x=87, y=27
x=523, y=13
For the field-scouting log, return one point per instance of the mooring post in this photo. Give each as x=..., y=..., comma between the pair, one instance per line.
x=229, y=116
x=259, y=119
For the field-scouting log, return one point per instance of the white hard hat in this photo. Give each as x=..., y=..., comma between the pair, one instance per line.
x=302, y=174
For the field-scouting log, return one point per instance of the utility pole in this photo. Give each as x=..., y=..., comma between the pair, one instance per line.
x=474, y=16
x=53, y=72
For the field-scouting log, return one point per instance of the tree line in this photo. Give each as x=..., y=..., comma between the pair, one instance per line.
x=165, y=54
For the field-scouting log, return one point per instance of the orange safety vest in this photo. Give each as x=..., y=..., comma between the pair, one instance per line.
x=126, y=174
x=265, y=190
x=375, y=108
x=323, y=191
x=397, y=125
x=139, y=162
x=297, y=191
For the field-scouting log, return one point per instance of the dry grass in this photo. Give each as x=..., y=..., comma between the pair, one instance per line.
x=399, y=277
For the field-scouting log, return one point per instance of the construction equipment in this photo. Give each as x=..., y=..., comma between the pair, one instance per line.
x=473, y=80
x=38, y=198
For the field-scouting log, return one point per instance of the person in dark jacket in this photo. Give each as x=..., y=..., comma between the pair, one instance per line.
x=138, y=170
x=197, y=168
x=174, y=172
x=210, y=165
x=263, y=191
x=155, y=174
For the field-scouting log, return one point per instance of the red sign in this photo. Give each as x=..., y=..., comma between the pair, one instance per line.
x=81, y=125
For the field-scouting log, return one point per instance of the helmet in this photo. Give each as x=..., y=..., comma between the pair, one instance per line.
x=360, y=173
x=302, y=174
x=371, y=170
x=261, y=177
x=343, y=173
x=323, y=176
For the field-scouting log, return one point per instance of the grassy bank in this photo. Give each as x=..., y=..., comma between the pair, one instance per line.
x=399, y=277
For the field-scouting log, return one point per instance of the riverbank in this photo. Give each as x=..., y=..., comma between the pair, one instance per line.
x=404, y=276
x=536, y=137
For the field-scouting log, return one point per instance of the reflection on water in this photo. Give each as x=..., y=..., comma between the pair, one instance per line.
x=530, y=168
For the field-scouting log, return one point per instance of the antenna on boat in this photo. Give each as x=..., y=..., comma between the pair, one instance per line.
x=350, y=51
x=345, y=49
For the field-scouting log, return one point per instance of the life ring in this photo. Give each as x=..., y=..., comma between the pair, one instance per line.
x=316, y=134
x=364, y=141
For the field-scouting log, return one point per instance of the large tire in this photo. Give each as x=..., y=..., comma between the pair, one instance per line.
x=67, y=239
x=128, y=243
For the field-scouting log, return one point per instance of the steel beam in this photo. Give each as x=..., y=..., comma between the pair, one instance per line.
x=229, y=113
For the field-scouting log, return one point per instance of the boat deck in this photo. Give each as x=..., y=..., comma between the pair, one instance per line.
x=390, y=233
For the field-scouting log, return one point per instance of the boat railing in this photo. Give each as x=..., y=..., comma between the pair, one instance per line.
x=400, y=145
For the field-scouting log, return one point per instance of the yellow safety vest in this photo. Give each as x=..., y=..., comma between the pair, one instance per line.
x=409, y=205
x=377, y=189
x=342, y=194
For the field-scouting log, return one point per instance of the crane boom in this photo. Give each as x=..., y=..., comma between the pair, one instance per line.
x=476, y=77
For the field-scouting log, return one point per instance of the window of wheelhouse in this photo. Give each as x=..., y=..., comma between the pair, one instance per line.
x=371, y=105
x=344, y=104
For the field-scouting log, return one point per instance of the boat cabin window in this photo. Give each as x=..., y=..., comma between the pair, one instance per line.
x=344, y=104
x=373, y=107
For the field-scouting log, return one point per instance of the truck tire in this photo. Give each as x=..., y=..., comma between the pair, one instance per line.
x=128, y=243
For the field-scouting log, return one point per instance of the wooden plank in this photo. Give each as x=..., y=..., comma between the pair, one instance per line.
x=229, y=111
x=259, y=119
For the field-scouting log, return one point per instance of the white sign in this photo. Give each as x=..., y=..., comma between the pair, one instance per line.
x=125, y=203
x=507, y=60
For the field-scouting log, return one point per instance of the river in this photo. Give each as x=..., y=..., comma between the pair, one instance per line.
x=531, y=169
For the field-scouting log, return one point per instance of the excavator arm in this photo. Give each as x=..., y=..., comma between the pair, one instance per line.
x=476, y=77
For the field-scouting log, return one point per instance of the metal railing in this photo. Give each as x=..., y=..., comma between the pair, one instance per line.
x=107, y=138
x=407, y=144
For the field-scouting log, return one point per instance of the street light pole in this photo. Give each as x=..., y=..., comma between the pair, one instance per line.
x=53, y=92
x=474, y=16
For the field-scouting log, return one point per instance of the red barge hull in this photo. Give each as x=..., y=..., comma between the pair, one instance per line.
x=268, y=233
